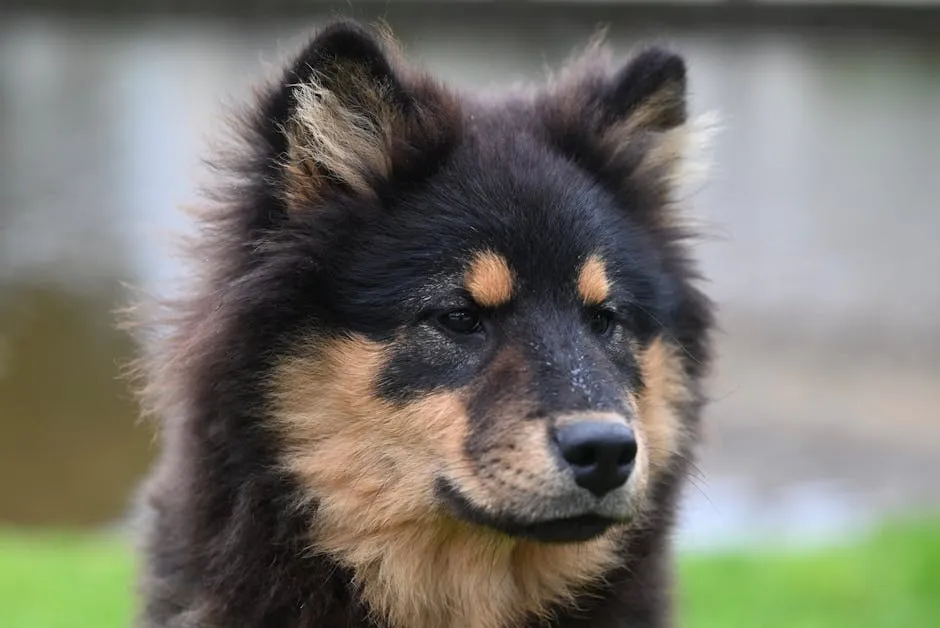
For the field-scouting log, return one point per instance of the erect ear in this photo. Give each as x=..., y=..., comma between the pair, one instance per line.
x=630, y=126
x=648, y=93
x=352, y=116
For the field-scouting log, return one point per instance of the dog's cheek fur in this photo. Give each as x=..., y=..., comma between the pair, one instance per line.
x=663, y=434
x=348, y=445
x=368, y=465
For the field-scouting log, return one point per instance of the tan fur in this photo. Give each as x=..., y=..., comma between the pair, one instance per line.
x=660, y=432
x=489, y=279
x=678, y=156
x=593, y=285
x=343, y=137
x=512, y=460
x=371, y=466
x=518, y=466
x=516, y=453
x=664, y=147
x=654, y=112
x=346, y=124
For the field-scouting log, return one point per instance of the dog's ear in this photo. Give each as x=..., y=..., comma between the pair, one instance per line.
x=647, y=93
x=629, y=126
x=350, y=116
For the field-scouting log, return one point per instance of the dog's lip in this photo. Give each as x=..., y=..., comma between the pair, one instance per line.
x=577, y=528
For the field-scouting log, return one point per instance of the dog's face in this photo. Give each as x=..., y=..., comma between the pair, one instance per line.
x=493, y=338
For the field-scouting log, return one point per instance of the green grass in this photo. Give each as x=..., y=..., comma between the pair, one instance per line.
x=52, y=580
x=891, y=579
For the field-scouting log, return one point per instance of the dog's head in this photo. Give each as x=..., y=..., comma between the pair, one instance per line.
x=480, y=311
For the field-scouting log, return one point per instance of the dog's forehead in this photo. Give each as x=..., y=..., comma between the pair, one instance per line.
x=504, y=219
x=522, y=214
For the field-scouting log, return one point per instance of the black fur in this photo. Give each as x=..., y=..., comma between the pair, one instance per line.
x=226, y=544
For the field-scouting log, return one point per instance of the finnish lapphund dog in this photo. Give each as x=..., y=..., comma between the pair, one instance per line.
x=442, y=357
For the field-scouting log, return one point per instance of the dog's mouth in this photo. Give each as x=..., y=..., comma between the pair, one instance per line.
x=574, y=529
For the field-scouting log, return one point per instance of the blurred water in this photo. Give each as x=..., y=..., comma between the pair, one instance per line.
x=822, y=220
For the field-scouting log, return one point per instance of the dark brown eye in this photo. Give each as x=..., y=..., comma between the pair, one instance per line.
x=460, y=321
x=601, y=321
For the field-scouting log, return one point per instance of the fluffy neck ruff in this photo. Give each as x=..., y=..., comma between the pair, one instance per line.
x=440, y=572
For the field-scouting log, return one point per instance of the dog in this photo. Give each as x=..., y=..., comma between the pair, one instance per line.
x=441, y=360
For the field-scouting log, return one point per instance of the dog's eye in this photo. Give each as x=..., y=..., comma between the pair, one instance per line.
x=601, y=321
x=460, y=321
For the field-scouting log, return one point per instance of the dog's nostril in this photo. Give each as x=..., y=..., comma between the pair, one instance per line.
x=600, y=453
x=579, y=456
x=628, y=453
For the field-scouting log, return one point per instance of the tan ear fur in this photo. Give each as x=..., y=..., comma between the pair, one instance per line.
x=653, y=139
x=338, y=137
x=353, y=117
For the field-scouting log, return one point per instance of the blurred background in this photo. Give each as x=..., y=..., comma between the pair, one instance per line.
x=821, y=226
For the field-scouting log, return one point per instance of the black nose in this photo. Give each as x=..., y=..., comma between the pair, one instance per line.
x=600, y=453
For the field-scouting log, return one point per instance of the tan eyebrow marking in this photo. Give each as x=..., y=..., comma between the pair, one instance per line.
x=489, y=279
x=593, y=284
